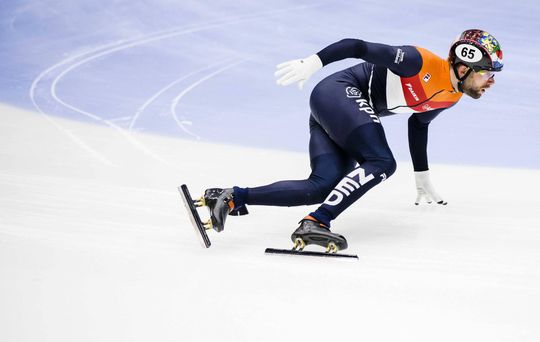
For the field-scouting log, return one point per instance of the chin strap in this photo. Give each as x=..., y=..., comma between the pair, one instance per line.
x=460, y=79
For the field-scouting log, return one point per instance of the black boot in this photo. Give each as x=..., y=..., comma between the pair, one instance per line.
x=220, y=203
x=312, y=232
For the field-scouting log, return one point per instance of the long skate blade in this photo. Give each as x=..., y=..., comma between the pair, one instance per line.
x=309, y=253
x=194, y=216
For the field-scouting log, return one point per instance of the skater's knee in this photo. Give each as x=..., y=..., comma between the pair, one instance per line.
x=386, y=165
x=390, y=167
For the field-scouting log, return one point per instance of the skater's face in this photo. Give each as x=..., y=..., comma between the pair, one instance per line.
x=476, y=84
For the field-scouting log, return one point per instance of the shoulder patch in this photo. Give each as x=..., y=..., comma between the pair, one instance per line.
x=400, y=54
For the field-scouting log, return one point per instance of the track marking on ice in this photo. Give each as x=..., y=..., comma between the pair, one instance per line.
x=177, y=99
x=77, y=140
x=121, y=119
x=154, y=97
x=129, y=137
x=110, y=48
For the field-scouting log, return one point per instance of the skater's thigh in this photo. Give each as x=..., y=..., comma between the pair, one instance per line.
x=328, y=160
x=368, y=142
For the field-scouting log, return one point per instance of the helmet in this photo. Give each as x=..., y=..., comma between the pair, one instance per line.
x=478, y=50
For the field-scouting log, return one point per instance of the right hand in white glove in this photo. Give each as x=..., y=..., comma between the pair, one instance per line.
x=298, y=70
x=425, y=189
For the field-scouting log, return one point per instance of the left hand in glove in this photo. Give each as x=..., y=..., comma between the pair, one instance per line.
x=298, y=70
x=425, y=189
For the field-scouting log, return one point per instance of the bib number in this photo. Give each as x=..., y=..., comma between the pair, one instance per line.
x=468, y=53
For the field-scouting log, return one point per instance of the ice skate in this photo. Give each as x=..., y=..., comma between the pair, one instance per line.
x=220, y=204
x=312, y=232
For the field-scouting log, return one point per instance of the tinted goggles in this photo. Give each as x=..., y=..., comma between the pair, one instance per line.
x=486, y=74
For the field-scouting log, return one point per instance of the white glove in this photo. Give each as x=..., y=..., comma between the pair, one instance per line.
x=298, y=70
x=425, y=189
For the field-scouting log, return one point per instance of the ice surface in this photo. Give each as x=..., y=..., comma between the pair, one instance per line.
x=95, y=244
x=94, y=250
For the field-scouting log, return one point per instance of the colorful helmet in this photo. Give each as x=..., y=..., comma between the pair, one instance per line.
x=478, y=50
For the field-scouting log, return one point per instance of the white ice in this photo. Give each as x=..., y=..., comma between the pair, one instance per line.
x=96, y=252
x=95, y=244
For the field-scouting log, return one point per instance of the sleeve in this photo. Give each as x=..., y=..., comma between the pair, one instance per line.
x=404, y=60
x=418, y=138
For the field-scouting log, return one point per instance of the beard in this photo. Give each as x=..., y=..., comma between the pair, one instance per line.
x=473, y=91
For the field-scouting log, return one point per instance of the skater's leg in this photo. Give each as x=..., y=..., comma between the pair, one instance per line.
x=367, y=143
x=346, y=115
x=329, y=163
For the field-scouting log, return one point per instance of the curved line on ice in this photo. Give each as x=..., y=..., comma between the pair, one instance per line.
x=154, y=97
x=110, y=48
x=177, y=99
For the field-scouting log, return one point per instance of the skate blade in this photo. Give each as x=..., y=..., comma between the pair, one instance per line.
x=194, y=217
x=309, y=253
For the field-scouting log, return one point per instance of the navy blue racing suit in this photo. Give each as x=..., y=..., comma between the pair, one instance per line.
x=348, y=150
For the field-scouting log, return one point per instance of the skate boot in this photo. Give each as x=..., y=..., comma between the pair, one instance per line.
x=220, y=204
x=312, y=232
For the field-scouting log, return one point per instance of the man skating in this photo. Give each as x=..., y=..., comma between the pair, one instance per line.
x=348, y=150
